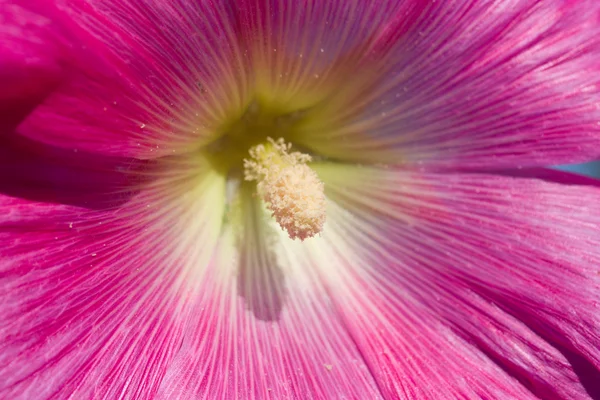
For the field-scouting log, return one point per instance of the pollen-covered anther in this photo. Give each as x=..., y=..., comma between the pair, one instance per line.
x=291, y=190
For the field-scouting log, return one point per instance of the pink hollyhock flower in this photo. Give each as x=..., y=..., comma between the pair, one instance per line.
x=298, y=199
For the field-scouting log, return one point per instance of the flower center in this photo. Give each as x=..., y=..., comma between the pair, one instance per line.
x=291, y=189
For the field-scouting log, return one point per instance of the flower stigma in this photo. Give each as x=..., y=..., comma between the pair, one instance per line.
x=291, y=190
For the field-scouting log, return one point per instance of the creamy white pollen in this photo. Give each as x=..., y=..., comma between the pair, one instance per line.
x=291, y=190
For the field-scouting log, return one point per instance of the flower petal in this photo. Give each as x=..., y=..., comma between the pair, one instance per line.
x=29, y=67
x=91, y=299
x=126, y=302
x=261, y=326
x=146, y=79
x=467, y=285
x=477, y=85
x=302, y=52
x=552, y=175
x=45, y=173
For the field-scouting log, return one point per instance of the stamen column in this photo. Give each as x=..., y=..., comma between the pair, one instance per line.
x=292, y=191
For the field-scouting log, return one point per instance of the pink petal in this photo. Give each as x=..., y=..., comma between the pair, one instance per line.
x=261, y=326
x=477, y=85
x=471, y=286
x=45, y=173
x=552, y=175
x=29, y=67
x=144, y=77
x=91, y=299
x=99, y=304
x=305, y=51
x=126, y=302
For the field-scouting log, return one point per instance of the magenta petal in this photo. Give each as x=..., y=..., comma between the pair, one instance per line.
x=29, y=63
x=479, y=85
x=127, y=304
x=49, y=174
x=468, y=285
x=73, y=324
x=311, y=34
x=143, y=77
x=552, y=175
x=261, y=326
x=91, y=298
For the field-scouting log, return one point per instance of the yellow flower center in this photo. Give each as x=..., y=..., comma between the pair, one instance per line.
x=290, y=189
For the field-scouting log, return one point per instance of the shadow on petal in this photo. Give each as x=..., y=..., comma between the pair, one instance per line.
x=588, y=374
x=261, y=281
x=40, y=172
